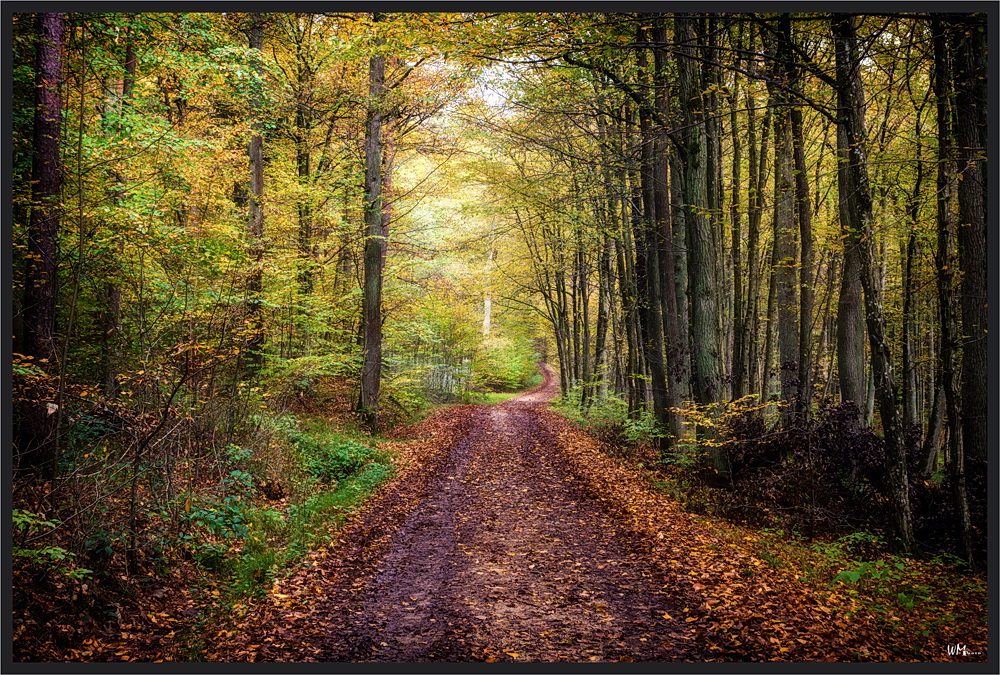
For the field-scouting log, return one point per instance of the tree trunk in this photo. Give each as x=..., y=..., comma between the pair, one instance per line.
x=648, y=238
x=738, y=359
x=970, y=73
x=488, y=295
x=303, y=161
x=806, y=265
x=945, y=263
x=675, y=332
x=909, y=319
x=371, y=369
x=784, y=254
x=757, y=156
x=680, y=350
x=704, y=294
x=255, y=228
x=850, y=319
x=111, y=314
x=851, y=120
x=37, y=424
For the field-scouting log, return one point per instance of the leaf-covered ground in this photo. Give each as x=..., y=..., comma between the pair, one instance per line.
x=508, y=535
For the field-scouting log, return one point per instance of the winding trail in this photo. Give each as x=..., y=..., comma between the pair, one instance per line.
x=506, y=557
x=509, y=535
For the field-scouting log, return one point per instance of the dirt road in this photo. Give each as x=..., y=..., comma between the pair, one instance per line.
x=508, y=535
x=491, y=551
x=505, y=558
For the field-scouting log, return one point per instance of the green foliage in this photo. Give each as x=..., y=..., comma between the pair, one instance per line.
x=277, y=539
x=504, y=365
x=857, y=545
x=609, y=418
x=887, y=581
x=855, y=563
x=51, y=558
x=486, y=397
x=335, y=461
x=225, y=518
x=284, y=377
x=246, y=543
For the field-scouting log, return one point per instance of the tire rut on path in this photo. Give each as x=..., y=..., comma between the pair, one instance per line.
x=507, y=558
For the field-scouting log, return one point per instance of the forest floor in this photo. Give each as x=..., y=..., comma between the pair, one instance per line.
x=508, y=535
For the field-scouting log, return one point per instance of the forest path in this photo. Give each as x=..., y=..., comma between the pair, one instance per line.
x=506, y=558
x=509, y=535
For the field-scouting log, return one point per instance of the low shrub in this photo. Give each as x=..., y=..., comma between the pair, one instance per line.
x=824, y=476
x=335, y=461
x=608, y=419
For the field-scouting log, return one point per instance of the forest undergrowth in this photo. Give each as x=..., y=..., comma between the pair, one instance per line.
x=857, y=601
x=245, y=515
x=792, y=524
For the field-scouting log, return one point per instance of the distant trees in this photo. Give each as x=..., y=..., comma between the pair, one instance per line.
x=37, y=442
x=189, y=240
x=758, y=211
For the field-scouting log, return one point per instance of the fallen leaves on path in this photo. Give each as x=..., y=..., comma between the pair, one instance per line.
x=507, y=534
x=751, y=610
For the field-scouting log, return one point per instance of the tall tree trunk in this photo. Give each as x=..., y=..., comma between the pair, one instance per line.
x=303, y=159
x=806, y=265
x=704, y=295
x=604, y=311
x=850, y=319
x=675, y=332
x=713, y=122
x=851, y=119
x=255, y=228
x=945, y=264
x=909, y=313
x=784, y=257
x=371, y=368
x=680, y=350
x=757, y=156
x=488, y=294
x=970, y=73
x=648, y=237
x=738, y=363
x=37, y=425
x=111, y=315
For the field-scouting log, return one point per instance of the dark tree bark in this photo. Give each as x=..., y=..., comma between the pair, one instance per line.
x=806, y=263
x=945, y=263
x=46, y=175
x=111, y=356
x=648, y=247
x=371, y=368
x=680, y=350
x=851, y=123
x=970, y=73
x=737, y=355
x=701, y=244
x=37, y=424
x=784, y=258
x=303, y=156
x=850, y=319
x=910, y=253
x=675, y=331
x=745, y=380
